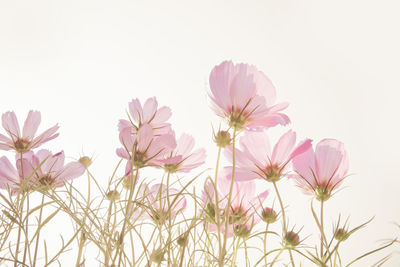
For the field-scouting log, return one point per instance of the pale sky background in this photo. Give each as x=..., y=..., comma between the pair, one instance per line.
x=336, y=62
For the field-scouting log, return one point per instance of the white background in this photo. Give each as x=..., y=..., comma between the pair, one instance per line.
x=336, y=62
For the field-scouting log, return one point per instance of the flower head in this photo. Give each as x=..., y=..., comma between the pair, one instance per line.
x=322, y=171
x=255, y=159
x=144, y=148
x=245, y=97
x=148, y=114
x=49, y=170
x=182, y=159
x=26, y=141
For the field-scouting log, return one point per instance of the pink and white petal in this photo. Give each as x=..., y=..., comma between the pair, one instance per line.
x=264, y=85
x=144, y=137
x=172, y=160
x=242, y=88
x=301, y=148
x=304, y=165
x=284, y=148
x=161, y=146
x=127, y=139
x=162, y=115
x=257, y=146
x=185, y=144
x=273, y=119
x=30, y=170
x=122, y=124
x=242, y=159
x=8, y=173
x=10, y=124
x=122, y=153
x=328, y=154
x=71, y=171
x=242, y=175
x=220, y=82
x=149, y=109
x=31, y=124
x=136, y=111
x=46, y=136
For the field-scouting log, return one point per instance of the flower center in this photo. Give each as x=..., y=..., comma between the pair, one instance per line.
x=21, y=145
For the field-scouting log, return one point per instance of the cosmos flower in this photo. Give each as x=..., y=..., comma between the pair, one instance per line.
x=257, y=160
x=322, y=171
x=148, y=114
x=144, y=148
x=182, y=158
x=27, y=141
x=245, y=97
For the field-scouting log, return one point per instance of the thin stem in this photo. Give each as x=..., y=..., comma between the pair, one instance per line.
x=282, y=208
x=169, y=222
x=265, y=244
x=217, y=218
x=235, y=252
x=132, y=186
x=322, y=228
x=228, y=204
x=38, y=235
x=276, y=257
x=21, y=207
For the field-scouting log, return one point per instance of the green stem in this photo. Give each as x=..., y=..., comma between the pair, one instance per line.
x=276, y=257
x=38, y=235
x=282, y=208
x=228, y=205
x=265, y=244
x=235, y=252
x=217, y=215
x=322, y=229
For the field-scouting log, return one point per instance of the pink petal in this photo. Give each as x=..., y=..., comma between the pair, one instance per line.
x=136, y=111
x=264, y=85
x=301, y=148
x=256, y=144
x=304, y=165
x=124, y=124
x=242, y=87
x=10, y=124
x=185, y=144
x=46, y=136
x=149, y=109
x=71, y=171
x=31, y=125
x=8, y=174
x=144, y=137
x=328, y=154
x=122, y=153
x=284, y=148
x=220, y=81
x=162, y=115
x=127, y=139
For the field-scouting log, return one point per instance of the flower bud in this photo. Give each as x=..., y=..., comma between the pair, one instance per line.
x=86, y=161
x=291, y=240
x=241, y=230
x=113, y=195
x=157, y=256
x=341, y=234
x=181, y=240
x=223, y=139
x=269, y=215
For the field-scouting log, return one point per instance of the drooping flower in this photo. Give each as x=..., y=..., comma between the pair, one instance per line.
x=144, y=148
x=160, y=206
x=49, y=170
x=256, y=160
x=322, y=171
x=245, y=97
x=148, y=114
x=182, y=159
x=27, y=141
x=245, y=205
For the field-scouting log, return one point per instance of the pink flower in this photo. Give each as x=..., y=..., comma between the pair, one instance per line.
x=245, y=96
x=148, y=114
x=256, y=160
x=157, y=200
x=245, y=208
x=48, y=169
x=322, y=171
x=27, y=141
x=182, y=159
x=144, y=148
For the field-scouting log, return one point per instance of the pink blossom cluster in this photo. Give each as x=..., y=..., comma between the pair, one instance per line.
x=32, y=170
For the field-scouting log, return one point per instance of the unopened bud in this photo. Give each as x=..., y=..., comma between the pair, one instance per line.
x=269, y=215
x=181, y=240
x=113, y=195
x=223, y=139
x=242, y=230
x=341, y=234
x=291, y=240
x=157, y=256
x=86, y=161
